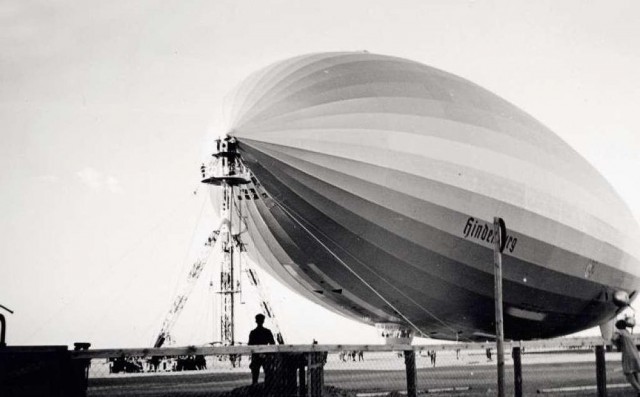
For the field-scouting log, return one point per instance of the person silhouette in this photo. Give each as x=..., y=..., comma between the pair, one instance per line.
x=630, y=357
x=260, y=336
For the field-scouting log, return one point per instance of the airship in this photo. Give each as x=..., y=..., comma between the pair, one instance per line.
x=374, y=184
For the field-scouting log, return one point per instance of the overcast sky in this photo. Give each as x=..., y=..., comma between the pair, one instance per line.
x=107, y=109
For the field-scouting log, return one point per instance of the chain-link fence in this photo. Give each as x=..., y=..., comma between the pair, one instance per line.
x=558, y=367
x=571, y=370
x=168, y=375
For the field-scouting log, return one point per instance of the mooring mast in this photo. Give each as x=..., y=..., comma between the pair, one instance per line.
x=228, y=172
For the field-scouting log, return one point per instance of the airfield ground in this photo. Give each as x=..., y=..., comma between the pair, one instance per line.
x=381, y=375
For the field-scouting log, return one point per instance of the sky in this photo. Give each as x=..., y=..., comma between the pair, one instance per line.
x=107, y=110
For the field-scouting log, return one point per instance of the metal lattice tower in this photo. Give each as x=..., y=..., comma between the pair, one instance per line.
x=228, y=278
x=228, y=172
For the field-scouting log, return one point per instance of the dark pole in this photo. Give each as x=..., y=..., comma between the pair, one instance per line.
x=517, y=371
x=601, y=372
x=3, y=324
x=499, y=234
x=410, y=364
x=315, y=374
x=302, y=380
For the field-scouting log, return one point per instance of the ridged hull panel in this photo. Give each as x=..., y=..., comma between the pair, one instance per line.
x=381, y=177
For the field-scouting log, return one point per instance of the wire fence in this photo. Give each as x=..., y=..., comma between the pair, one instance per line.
x=345, y=373
x=564, y=367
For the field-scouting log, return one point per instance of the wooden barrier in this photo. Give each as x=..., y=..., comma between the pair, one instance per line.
x=564, y=343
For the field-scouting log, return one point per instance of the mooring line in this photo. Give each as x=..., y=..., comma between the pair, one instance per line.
x=289, y=213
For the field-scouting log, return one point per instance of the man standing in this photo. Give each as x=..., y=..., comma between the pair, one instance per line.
x=630, y=357
x=259, y=336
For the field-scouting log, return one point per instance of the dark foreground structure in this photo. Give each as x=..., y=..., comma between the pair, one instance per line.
x=43, y=371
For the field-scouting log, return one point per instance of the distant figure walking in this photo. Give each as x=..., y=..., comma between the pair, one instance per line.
x=260, y=336
x=630, y=358
x=433, y=358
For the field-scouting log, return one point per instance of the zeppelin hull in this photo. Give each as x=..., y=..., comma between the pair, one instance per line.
x=383, y=212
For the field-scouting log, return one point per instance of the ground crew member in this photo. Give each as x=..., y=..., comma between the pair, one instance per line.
x=630, y=357
x=260, y=336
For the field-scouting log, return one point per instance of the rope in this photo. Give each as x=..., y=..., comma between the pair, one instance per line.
x=185, y=262
x=294, y=218
x=288, y=212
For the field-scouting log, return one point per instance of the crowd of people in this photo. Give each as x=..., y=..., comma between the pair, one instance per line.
x=396, y=333
x=351, y=355
x=157, y=364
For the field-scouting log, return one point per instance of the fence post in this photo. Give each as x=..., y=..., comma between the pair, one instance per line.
x=410, y=364
x=517, y=371
x=500, y=233
x=302, y=379
x=3, y=330
x=601, y=371
x=315, y=374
